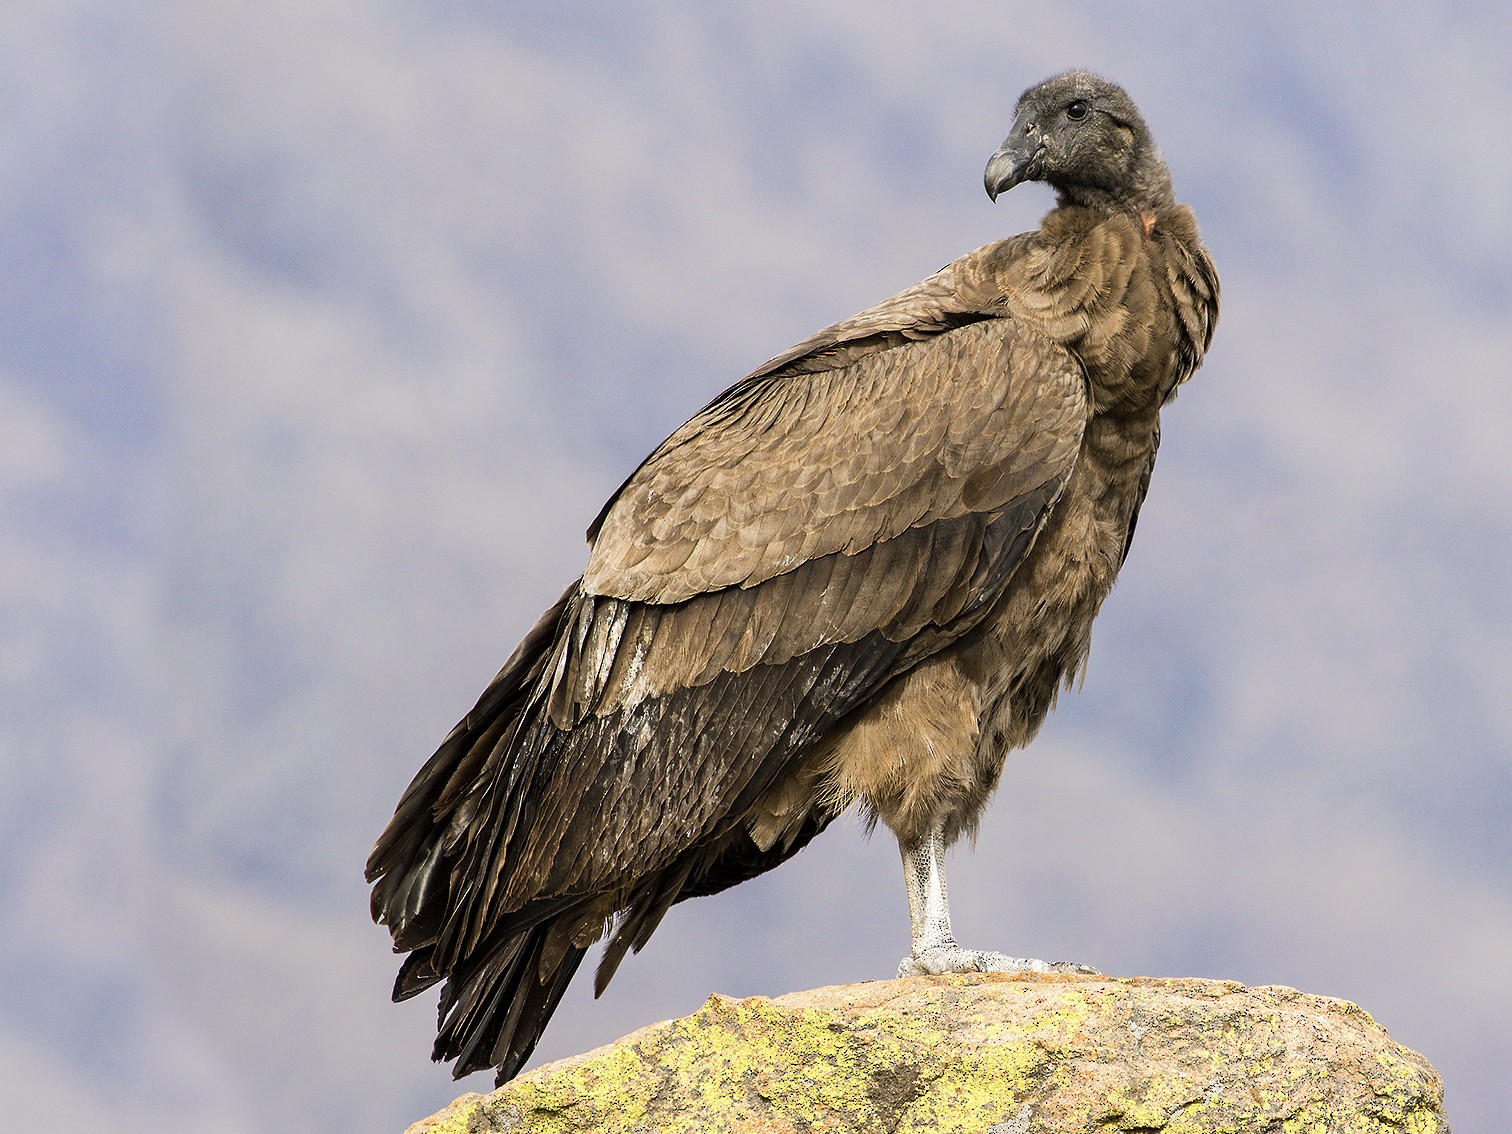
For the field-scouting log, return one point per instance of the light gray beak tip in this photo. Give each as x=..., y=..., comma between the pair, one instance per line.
x=1007, y=168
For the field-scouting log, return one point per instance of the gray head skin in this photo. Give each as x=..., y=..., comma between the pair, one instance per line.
x=1084, y=136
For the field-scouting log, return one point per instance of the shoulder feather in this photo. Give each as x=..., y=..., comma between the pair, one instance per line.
x=932, y=405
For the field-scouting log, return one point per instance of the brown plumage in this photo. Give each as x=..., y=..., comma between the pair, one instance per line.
x=861, y=573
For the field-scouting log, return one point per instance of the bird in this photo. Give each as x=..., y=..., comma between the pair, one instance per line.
x=859, y=576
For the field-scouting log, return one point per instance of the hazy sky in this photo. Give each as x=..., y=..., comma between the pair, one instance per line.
x=326, y=327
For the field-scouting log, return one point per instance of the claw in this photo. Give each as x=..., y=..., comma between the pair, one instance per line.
x=951, y=958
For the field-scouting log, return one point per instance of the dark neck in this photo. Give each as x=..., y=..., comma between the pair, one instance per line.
x=1149, y=191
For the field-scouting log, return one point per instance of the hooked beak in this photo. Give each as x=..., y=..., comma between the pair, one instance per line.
x=1021, y=158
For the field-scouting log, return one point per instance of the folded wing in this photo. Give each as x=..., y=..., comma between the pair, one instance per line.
x=817, y=530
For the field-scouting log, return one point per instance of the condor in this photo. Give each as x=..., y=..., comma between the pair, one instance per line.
x=859, y=575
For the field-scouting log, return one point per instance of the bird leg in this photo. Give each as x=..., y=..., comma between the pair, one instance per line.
x=934, y=946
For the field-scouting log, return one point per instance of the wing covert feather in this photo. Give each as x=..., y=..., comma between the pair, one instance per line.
x=800, y=462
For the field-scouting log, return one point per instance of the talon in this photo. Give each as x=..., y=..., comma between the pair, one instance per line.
x=953, y=959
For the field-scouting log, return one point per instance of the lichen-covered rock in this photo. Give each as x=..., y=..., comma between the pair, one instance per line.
x=985, y=1054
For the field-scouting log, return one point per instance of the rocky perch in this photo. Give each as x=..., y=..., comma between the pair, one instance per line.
x=985, y=1054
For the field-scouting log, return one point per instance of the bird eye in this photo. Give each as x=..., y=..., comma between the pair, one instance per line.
x=1077, y=110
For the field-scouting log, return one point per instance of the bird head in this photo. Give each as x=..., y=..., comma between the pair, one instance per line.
x=1084, y=136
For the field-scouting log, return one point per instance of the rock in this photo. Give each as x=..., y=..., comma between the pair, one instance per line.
x=985, y=1054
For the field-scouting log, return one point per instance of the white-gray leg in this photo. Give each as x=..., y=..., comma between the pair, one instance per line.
x=934, y=946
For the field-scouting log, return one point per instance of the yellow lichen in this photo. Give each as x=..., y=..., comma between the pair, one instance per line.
x=967, y=1053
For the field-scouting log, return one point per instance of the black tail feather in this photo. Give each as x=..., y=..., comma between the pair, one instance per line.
x=493, y=1011
x=416, y=974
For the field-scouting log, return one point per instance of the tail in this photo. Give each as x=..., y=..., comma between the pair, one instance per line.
x=499, y=996
x=498, y=999
x=440, y=884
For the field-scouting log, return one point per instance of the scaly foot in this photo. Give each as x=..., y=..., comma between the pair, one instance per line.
x=951, y=958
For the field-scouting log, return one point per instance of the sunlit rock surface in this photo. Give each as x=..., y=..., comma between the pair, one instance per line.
x=989, y=1053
